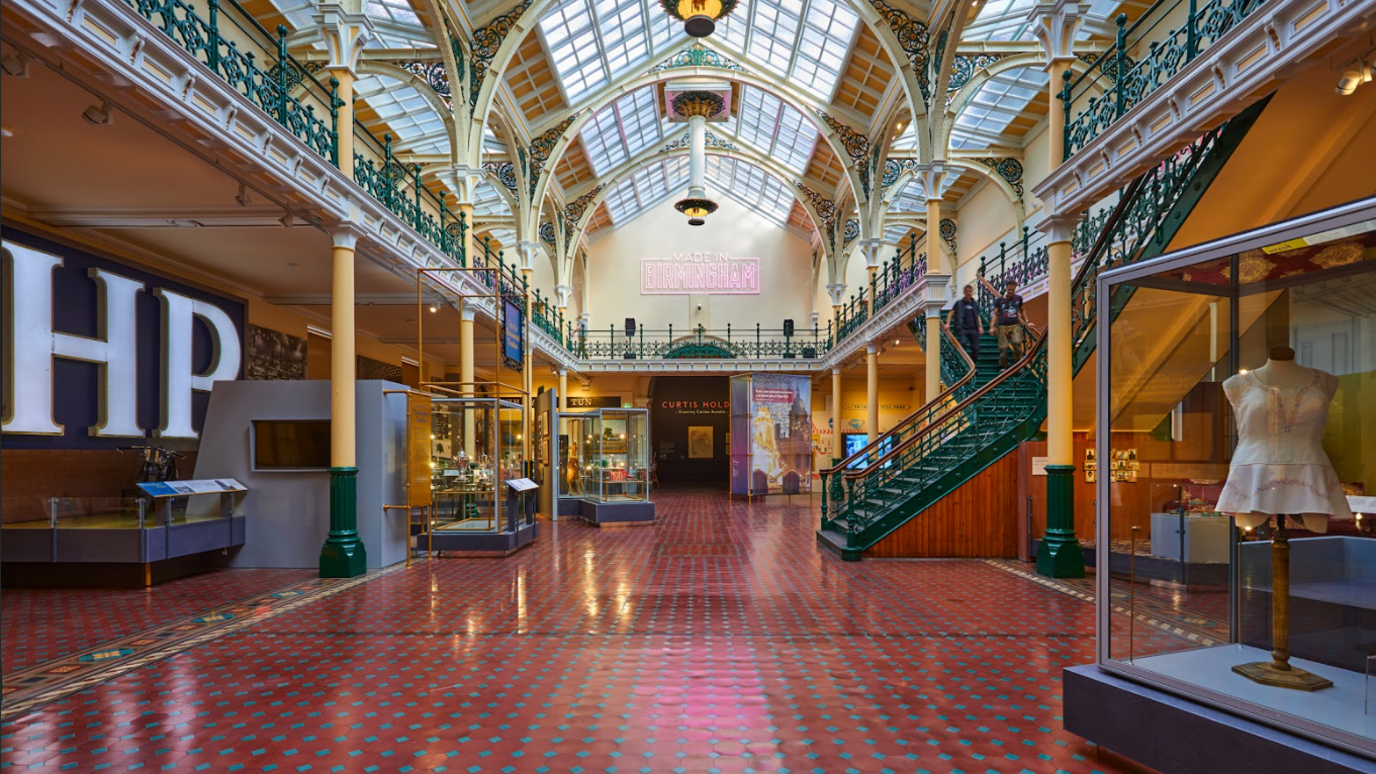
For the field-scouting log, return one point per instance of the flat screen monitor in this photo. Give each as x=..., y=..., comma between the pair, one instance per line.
x=853, y=442
x=291, y=444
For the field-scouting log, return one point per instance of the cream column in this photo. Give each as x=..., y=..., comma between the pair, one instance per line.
x=343, y=555
x=528, y=252
x=837, y=405
x=1059, y=554
x=933, y=175
x=872, y=392
x=466, y=375
x=869, y=248
x=837, y=291
x=563, y=389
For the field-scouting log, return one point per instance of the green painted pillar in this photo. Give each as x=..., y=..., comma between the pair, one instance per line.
x=1059, y=554
x=343, y=555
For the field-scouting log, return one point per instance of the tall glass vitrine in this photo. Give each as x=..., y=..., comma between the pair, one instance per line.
x=476, y=446
x=604, y=455
x=1243, y=373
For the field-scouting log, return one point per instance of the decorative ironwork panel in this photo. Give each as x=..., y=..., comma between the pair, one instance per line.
x=486, y=41
x=697, y=55
x=856, y=144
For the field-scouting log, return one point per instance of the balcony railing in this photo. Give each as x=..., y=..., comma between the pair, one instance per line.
x=1143, y=57
x=700, y=343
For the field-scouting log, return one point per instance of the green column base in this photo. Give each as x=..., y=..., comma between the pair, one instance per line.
x=343, y=555
x=1059, y=554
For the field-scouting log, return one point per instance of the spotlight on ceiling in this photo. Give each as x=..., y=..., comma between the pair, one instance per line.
x=1349, y=82
x=16, y=65
x=699, y=17
x=98, y=115
x=434, y=308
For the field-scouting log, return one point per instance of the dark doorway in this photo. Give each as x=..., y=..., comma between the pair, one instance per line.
x=689, y=417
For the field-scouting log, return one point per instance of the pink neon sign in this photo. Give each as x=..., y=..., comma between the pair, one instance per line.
x=713, y=273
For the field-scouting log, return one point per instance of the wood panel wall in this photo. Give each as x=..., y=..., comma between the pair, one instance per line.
x=30, y=476
x=978, y=520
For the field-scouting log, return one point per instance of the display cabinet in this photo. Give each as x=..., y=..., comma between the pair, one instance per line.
x=1237, y=385
x=477, y=446
x=605, y=455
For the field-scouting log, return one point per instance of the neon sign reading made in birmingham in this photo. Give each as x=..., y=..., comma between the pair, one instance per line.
x=715, y=273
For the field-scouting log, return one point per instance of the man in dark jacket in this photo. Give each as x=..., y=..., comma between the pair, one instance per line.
x=965, y=323
x=1007, y=321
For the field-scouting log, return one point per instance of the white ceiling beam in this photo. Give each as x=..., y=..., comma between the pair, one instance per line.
x=228, y=216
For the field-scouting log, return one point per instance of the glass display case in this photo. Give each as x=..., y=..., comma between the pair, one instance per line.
x=1237, y=385
x=477, y=446
x=605, y=455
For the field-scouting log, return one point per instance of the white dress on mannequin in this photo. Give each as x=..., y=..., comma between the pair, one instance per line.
x=1280, y=466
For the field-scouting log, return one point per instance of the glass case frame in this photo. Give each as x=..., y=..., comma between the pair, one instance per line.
x=1282, y=710
x=604, y=455
x=468, y=489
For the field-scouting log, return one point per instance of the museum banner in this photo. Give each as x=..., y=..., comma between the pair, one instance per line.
x=771, y=434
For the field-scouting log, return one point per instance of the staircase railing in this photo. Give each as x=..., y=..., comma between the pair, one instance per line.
x=909, y=424
x=866, y=501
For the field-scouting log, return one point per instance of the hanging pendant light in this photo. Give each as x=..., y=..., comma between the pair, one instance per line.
x=699, y=17
x=697, y=106
x=697, y=209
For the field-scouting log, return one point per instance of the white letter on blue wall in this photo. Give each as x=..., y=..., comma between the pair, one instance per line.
x=178, y=380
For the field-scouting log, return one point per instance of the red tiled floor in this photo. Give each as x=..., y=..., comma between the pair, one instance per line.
x=44, y=624
x=718, y=640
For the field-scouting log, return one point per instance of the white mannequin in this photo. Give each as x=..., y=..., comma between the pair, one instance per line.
x=1282, y=371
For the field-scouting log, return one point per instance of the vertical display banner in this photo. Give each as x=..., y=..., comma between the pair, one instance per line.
x=772, y=438
x=513, y=343
x=418, y=435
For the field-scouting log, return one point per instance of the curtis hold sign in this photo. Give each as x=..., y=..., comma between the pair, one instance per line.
x=683, y=273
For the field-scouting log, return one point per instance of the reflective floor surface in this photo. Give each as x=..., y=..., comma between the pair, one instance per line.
x=720, y=639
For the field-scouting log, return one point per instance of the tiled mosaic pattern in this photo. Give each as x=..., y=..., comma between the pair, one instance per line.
x=41, y=625
x=614, y=651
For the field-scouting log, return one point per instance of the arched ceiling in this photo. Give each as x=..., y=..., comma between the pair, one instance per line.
x=846, y=59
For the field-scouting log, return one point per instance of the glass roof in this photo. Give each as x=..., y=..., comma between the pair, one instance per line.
x=1001, y=20
x=1000, y=100
x=621, y=130
x=395, y=23
x=913, y=198
x=649, y=186
x=413, y=123
x=592, y=43
x=804, y=41
x=774, y=128
x=753, y=187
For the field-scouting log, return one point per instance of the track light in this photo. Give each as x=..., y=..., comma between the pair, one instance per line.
x=98, y=115
x=16, y=65
x=1349, y=82
x=434, y=308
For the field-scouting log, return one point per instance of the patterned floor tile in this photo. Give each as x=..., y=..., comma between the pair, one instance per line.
x=613, y=651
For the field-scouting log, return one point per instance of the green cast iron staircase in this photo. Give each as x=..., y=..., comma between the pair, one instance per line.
x=974, y=422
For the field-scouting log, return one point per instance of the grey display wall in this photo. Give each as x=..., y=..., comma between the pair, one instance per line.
x=288, y=512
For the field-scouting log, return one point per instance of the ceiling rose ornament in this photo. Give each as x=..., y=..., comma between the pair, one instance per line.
x=698, y=103
x=697, y=209
x=699, y=17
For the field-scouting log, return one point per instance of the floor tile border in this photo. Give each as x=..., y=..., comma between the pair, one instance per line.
x=1161, y=619
x=28, y=689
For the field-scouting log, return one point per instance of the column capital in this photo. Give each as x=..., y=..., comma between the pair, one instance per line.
x=1058, y=228
x=871, y=249
x=938, y=294
x=463, y=180
x=345, y=235
x=345, y=35
x=932, y=174
x=871, y=349
x=584, y=318
x=837, y=291
x=1055, y=23
x=468, y=312
x=562, y=292
x=815, y=319
x=527, y=250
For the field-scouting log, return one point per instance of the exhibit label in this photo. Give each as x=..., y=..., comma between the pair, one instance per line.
x=711, y=273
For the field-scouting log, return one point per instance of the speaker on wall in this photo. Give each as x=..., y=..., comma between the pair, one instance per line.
x=788, y=327
x=630, y=326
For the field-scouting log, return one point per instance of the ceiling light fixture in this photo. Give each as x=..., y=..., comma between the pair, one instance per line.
x=434, y=308
x=697, y=209
x=16, y=65
x=98, y=115
x=699, y=17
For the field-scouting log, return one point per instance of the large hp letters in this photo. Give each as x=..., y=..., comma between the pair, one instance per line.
x=33, y=345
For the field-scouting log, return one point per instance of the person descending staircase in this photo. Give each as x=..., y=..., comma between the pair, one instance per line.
x=986, y=413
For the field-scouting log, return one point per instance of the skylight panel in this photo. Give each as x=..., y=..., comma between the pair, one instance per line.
x=602, y=142
x=773, y=34
x=392, y=10
x=913, y=198
x=640, y=124
x=774, y=128
x=650, y=184
x=822, y=48
x=676, y=171
x=1001, y=20
x=593, y=42
x=621, y=202
x=409, y=118
x=775, y=201
x=732, y=29
x=993, y=108
x=486, y=200
x=794, y=140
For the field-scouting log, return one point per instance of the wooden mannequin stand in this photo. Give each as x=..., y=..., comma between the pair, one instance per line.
x=1278, y=672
